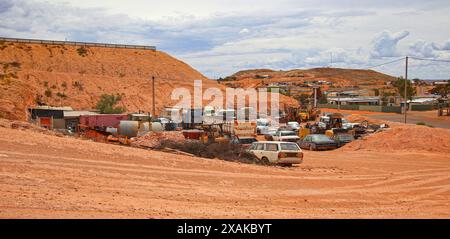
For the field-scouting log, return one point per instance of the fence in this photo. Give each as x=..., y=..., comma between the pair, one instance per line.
x=374, y=108
x=422, y=107
x=74, y=43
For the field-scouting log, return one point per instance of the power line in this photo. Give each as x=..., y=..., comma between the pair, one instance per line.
x=386, y=63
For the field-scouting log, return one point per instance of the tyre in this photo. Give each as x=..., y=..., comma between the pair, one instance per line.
x=265, y=161
x=312, y=147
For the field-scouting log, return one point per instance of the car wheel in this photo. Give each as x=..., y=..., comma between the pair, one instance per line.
x=265, y=161
x=312, y=148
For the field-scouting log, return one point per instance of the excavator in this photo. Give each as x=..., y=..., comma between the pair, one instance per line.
x=309, y=114
x=301, y=114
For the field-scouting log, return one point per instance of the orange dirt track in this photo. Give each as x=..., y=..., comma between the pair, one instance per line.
x=45, y=176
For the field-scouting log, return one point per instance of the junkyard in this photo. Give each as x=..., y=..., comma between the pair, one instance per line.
x=91, y=130
x=46, y=174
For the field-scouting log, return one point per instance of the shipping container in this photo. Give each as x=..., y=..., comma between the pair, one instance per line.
x=102, y=121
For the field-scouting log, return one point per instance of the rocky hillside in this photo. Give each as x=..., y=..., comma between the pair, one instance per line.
x=340, y=77
x=62, y=75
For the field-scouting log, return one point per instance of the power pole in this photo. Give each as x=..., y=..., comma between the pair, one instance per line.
x=315, y=96
x=153, y=95
x=406, y=85
x=339, y=100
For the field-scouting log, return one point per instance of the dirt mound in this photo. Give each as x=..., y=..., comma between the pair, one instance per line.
x=411, y=138
x=176, y=143
x=154, y=139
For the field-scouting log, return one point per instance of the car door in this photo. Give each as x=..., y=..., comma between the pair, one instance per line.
x=306, y=142
x=258, y=151
x=271, y=152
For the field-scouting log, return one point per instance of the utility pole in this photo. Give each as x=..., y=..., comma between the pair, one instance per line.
x=339, y=100
x=315, y=96
x=406, y=86
x=153, y=95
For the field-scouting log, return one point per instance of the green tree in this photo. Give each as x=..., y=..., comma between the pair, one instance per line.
x=399, y=84
x=442, y=90
x=106, y=104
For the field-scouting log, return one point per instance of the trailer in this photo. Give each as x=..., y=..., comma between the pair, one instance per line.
x=101, y=122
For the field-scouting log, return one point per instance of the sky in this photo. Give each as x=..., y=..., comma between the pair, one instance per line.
x=219, y=37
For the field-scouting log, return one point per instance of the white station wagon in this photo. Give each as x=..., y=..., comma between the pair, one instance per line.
x=277, y=152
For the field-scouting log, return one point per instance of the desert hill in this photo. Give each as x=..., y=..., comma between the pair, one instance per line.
x=339, y=77
x=65, y=75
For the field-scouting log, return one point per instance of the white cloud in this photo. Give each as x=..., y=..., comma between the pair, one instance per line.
x=222, y=37
x=424, y=49
x=385, y=44
x=244, y=31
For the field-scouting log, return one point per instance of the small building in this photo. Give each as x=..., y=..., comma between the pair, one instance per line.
x=48, y=117
x=355, y=101
x=343, y=94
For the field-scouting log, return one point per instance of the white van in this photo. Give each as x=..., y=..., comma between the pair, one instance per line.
x=267, y=152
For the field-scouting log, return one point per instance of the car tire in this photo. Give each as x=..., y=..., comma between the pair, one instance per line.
x=312, y=148
x=265, y=161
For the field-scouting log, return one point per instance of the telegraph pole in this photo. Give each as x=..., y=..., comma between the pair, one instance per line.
x=153, y=95
x=406, y=86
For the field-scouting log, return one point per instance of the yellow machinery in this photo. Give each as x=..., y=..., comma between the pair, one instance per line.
x=303, y=132
x=309, y=114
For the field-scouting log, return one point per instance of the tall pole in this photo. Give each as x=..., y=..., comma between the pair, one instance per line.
x=406, y=86
x=315, y=96
x=153, y=95
x=339, y=100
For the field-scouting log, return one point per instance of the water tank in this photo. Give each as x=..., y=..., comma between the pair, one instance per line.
x=132, y=129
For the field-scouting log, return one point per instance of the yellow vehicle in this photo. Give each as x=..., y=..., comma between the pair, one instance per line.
x=309, y=114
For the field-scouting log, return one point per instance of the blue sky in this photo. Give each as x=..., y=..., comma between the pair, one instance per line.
x=219, y=38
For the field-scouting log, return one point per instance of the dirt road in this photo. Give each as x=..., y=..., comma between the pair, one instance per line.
x=45, y=176
x=413, y=117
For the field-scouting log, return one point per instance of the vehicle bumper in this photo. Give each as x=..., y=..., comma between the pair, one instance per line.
x=290, y=161
x=325, y=147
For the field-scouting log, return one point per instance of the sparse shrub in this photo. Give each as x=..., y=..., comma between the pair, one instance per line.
x=3, y=45
x=62, y=95
x=78, y=85
x=82, y=51
x=106, y=104
x=46, y=83
x=53, y=86
x=64, y=85
x=4, y=79
x=48, y=92
x=121, y=75
x=15, y=64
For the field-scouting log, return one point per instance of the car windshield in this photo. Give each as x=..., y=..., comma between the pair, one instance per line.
x=287, y=133
x=247, y=140
x=262, y=123
x=292, y=147
x=320, y=137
